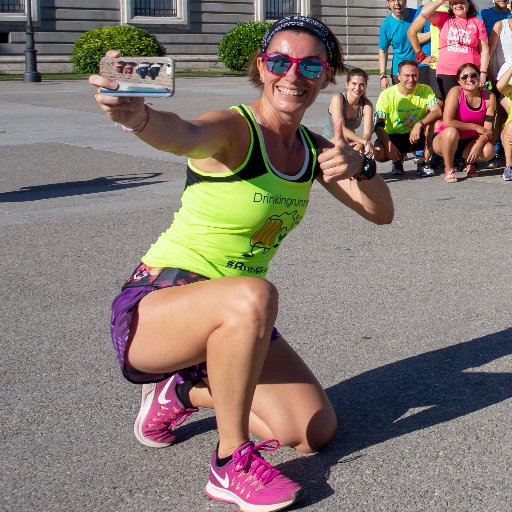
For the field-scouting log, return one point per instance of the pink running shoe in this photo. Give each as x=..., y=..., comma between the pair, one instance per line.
x=160, y=410
x=470, y=171
x=250, y=482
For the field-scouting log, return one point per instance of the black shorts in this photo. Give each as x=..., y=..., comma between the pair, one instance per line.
x=428, y=76
x=446, y=82
x=142, y=282
x=401, y=141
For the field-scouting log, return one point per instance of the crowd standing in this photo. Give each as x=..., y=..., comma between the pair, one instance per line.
x=455, y=47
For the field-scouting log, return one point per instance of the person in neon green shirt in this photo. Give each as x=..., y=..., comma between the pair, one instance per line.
x=403, y=113
x=198, y=329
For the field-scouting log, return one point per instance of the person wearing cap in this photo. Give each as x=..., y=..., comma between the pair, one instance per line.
x=194, y=323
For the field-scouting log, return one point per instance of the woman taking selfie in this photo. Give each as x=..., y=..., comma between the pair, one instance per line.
x=195, y=321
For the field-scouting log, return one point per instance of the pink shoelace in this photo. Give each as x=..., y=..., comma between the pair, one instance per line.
x=171, y=416
x=251, y=461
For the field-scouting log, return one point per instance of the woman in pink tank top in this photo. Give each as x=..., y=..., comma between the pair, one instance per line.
x=467, y=128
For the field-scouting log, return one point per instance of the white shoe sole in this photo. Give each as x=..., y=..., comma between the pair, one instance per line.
x=219, y=494
x=148, y=393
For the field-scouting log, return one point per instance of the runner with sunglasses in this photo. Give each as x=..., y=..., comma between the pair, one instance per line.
x=467, y=128
x=201, y=293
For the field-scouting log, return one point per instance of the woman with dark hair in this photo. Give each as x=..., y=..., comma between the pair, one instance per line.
x=462, y=38
x=467, y=127
x=356, y=110
x=195, y=322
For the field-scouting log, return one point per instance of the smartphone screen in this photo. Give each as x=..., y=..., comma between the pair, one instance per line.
x=139, y=76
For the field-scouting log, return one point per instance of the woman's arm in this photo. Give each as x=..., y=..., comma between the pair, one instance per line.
x=493, y=44
x=484, y=61
x=486, y=133
x=428, y=11
x=384, y=81
x=369, y=198
x=503, y=83
x=490, y=115
x=204, y=137
x=367, y=120
x=413, y=32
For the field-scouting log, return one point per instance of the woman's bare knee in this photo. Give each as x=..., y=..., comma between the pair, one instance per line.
x=319, y=432
x=253, y=302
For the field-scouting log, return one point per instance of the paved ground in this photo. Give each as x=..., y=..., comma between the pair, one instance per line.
x=407, y=325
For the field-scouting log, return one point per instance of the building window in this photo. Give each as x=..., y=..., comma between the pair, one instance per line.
x=275, y=9
x=156, y=8
x=271, y=10
x=16, y=10
x=155, y=12
x=12, y=6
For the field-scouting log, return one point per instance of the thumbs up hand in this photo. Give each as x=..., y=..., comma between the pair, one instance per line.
x=341, y=161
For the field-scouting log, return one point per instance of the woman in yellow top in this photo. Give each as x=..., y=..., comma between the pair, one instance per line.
x=183, y=316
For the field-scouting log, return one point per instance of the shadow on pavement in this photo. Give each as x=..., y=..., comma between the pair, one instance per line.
x=74, y=188
x=403, y=397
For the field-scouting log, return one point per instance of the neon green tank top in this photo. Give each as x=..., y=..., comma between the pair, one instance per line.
x=232, y=223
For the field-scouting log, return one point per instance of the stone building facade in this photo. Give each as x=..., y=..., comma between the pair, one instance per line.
x=189, y=29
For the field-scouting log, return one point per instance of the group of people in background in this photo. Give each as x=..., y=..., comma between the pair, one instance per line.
x=447, y=97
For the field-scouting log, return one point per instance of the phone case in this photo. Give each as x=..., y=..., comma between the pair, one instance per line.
x=139, y=76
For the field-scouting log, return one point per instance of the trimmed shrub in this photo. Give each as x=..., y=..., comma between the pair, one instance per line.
x=239, y=44
x=92, y=45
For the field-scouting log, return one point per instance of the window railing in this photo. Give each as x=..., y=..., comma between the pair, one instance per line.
x=275, y=9
x=155, y=8
x=12, y=6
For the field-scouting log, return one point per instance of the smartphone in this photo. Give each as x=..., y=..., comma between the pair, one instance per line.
x=139, y=76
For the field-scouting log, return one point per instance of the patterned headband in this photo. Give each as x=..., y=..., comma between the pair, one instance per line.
x=311, y=25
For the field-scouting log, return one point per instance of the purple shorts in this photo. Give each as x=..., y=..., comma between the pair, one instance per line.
x=140, y=283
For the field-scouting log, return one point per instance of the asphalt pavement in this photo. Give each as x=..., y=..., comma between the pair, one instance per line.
x=407, y=325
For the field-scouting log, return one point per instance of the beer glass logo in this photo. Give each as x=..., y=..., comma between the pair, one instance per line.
x=142, y=69
x=271, y=234
x=154, y=70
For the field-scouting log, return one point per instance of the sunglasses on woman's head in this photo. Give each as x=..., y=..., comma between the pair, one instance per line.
x=308, y=67
x=469, y=75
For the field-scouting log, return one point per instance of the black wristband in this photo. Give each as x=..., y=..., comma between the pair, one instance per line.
x=368, y=169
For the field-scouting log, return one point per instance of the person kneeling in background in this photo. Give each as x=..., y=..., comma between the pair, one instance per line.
x=403, y=112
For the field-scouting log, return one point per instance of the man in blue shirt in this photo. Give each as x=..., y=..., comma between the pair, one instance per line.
x=496, y=13
x=393, y=32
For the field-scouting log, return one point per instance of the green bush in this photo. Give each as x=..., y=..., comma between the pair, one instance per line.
x=241, y=43
x=92, y=45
